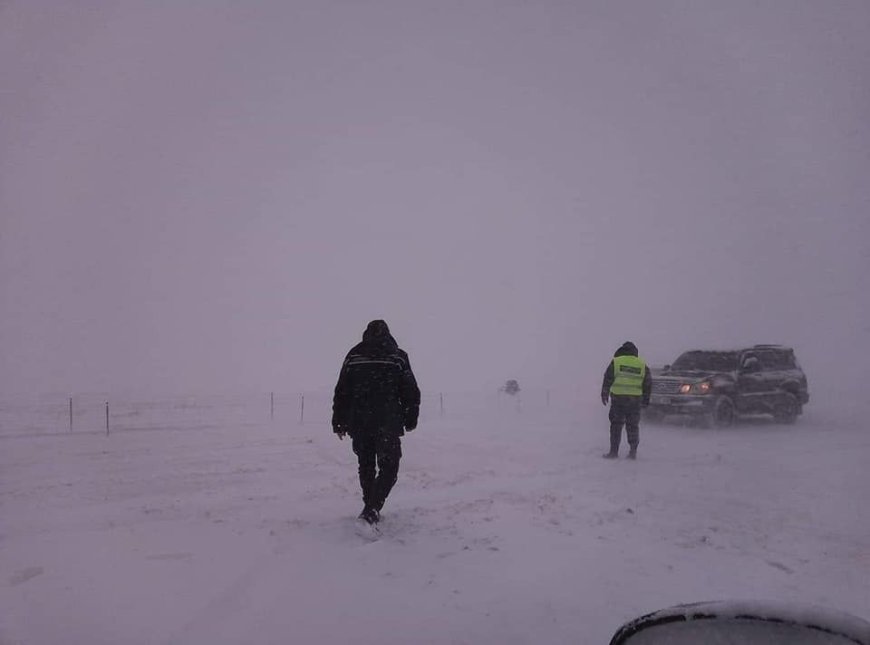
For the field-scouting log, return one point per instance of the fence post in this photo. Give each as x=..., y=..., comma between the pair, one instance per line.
x=271, y=406
x=302, y=410
x=107, y=418
x=70, y=415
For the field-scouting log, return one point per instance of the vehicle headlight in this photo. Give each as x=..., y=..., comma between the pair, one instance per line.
x=704, y=387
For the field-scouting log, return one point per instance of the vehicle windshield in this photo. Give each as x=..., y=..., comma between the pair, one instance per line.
x=706, y=362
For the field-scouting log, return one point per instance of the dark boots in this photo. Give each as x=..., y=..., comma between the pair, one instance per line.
x=613, y=454
x=632, y=454
x=615, y=437
x=370, y=515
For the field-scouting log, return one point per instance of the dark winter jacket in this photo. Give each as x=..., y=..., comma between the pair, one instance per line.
x=626, y=349
x=376, y=390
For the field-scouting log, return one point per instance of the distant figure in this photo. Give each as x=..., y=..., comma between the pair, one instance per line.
x=511, y=387
x=376, y=400
x=628, y=384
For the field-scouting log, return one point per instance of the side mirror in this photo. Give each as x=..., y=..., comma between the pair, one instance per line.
x=666, y=368
x=744, y=622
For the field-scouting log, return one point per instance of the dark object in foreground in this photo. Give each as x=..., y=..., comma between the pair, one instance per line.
x=370, y=515
x=376, y=402
x=715, y=387
x=744, y=622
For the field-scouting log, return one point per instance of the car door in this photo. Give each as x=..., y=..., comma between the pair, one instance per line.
x=750, y=383
x=773, y=374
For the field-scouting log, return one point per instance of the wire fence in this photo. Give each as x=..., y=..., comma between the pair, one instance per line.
x=56, y=414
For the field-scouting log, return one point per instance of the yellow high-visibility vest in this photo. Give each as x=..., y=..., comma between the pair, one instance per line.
x=628, y=376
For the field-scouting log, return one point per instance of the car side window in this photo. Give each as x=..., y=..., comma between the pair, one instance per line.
x=776, y=360
x=749, y=363
x=768, y=360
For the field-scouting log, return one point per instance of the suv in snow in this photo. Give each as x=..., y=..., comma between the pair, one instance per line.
x=715, y=387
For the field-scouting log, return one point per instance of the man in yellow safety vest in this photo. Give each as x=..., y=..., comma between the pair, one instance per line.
x=627, y=383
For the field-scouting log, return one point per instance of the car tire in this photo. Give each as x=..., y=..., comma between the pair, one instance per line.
x=786, y=409
x=723, y=413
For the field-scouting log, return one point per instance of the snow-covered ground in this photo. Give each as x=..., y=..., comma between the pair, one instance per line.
x=506, y=526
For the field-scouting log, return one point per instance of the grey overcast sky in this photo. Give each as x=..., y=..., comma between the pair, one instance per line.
x=211, y=196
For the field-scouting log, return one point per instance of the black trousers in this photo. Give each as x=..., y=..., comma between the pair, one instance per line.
x=624, y=410
x=379, y=455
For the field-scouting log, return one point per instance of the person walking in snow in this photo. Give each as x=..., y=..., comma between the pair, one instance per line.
x=628, y=384
x=376, y=401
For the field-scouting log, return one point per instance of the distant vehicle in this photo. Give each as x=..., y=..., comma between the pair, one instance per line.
x=715, y=387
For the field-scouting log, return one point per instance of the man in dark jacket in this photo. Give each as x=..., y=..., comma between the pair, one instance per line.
x=628, y=384
x=376, y=400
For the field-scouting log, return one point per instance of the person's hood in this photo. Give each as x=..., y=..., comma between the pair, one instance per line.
x=377, y=333
x=626, y=349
